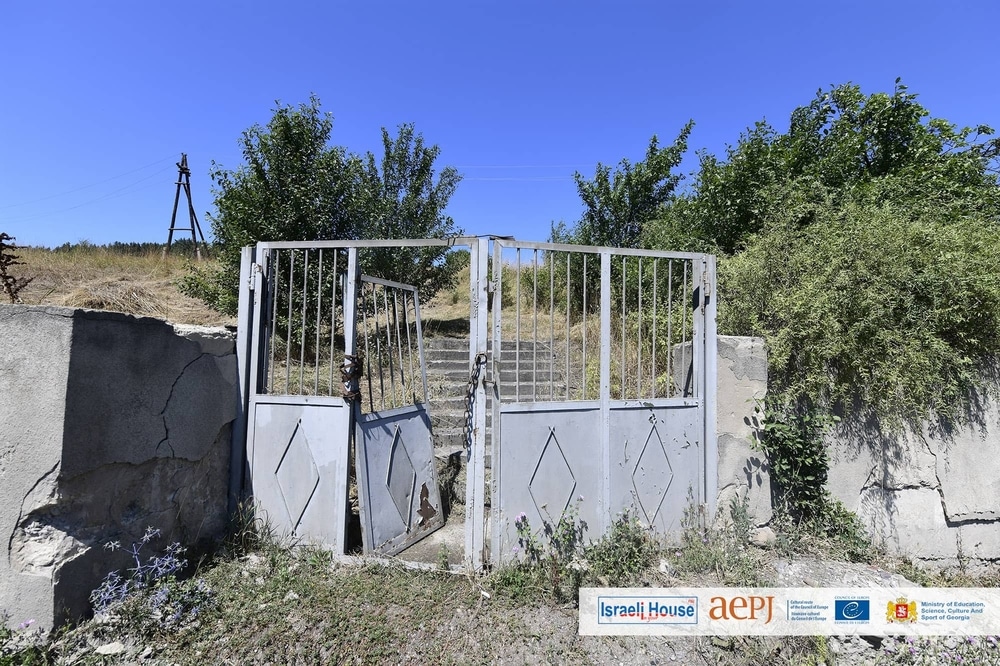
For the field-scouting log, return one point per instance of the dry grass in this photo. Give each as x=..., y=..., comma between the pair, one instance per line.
x=93, y=277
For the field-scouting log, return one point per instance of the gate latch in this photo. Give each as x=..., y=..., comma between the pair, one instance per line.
x=255, y=269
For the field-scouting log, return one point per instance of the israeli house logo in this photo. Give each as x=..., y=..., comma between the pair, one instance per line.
x=852, y=610
x=647, y=610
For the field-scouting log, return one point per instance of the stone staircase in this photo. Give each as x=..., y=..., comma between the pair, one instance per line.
x=448, y=384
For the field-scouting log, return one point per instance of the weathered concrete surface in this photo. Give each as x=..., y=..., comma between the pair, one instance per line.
x=742, y=384
x=931, y=495
x=108, y=424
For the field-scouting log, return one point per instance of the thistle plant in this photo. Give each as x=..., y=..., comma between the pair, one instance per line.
x=11, y=285
x=149, y=594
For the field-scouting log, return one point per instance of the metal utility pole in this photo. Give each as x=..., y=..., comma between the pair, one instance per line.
x=184, y=181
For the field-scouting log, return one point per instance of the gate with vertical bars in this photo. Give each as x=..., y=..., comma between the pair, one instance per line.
x=596, y=365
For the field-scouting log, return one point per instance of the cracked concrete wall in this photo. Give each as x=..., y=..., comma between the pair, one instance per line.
x=742, y=471
x=108, y=424
x=931, y=495
x=742, y=385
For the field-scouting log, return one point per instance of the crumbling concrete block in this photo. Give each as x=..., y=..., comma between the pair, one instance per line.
x=109, y=423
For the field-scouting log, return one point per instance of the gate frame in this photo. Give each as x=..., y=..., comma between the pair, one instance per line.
x=480, y=288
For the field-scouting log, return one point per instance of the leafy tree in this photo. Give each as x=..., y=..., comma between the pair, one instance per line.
x=399, y=197
x=295, y=186
x=619, y=205
x=842, y=142
x=861, y=244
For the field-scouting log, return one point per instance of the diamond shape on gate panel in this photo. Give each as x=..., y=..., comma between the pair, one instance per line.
x=652, y=475
x=400, y=478
x=296, y=475
x=552, y=484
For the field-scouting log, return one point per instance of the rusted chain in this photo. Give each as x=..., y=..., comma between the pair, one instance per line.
x=350, y=375
x=470, y=397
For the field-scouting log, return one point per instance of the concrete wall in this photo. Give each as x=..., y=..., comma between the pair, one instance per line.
x=108, y=424
x=932, y=495
x=742, y=384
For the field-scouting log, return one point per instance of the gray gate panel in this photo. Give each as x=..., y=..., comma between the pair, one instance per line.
x=397, y=479
x=656, y=461
x=300, y=474
x=542, y=471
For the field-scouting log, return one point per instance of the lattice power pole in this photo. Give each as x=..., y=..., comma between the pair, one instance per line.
x=184, y=181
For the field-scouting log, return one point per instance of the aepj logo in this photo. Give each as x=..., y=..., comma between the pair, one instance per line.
x=851, y=610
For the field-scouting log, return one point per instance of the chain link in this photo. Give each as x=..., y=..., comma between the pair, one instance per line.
x=470, y=397
x=350, y=375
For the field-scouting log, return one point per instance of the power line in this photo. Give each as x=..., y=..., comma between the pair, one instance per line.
x=127, y=189
x=85, y=187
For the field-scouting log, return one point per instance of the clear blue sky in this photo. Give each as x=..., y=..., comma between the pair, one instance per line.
x=100, y=98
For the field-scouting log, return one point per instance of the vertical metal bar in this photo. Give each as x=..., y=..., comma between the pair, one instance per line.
x=399, y=347
x=639, y=340
x=623, y=311
x=497, y=358
x=378, y=348
x=248, y=342
x=319, y=317
x=552, y=322
x=710, y=389
x=475, y=534
x=420, y=345
x=605, y=392
x=342, y=449
x=388, y=347
x=409, y=342
x=569, y=302
x=583, y=374
x=272, y=291
x=517, y=333
x=655, y=323
x=670, y=321
x=534, y=327
x=368, y=356
x=305, y=301
x=288, y=323
x=686, y=306
x=333, y=317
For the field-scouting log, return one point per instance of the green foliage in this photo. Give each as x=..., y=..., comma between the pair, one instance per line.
x=23, y=646
x=881, y=307
x=553, y=554
x=722, y=551
x=295, y=186
x=619, y=205
x=620, y=557
x=400, y=198
x=841, y=142
x=797, y=458
x=555, y=560
x=861, y=244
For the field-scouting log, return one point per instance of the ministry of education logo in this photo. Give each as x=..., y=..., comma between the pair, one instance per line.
x=901, y=610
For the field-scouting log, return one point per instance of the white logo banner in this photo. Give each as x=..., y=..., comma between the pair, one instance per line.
x=795, y=611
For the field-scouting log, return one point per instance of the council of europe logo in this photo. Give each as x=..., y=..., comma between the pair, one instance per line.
x=851, y=610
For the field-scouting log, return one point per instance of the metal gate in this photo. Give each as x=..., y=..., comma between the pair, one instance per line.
x=397, y=481
x=304, y=312
x=598, y=366
x=603, y=372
